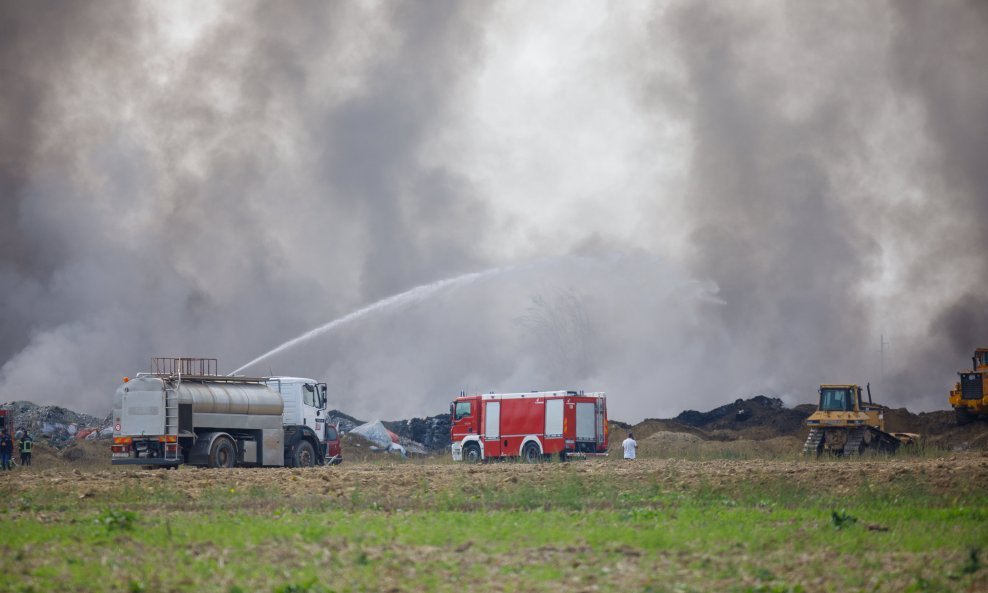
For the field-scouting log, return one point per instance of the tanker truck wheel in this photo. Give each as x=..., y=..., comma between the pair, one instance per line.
x=222, y=453
x=305, y=455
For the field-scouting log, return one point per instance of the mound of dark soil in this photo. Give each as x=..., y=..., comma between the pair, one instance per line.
x=763, y=418
x=758, y=417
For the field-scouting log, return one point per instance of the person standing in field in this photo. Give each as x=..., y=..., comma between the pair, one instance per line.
x=630, y=446
x=6, y=449
x=27, y=443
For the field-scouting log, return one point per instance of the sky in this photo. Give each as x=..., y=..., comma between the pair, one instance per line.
x=678, y=203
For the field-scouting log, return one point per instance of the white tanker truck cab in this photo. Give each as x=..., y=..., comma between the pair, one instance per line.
x=304, y=401
x=171, y=416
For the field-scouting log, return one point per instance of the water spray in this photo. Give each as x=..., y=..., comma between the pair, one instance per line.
x=398, y=300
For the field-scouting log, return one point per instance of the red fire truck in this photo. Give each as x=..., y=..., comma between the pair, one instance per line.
x=6, y=419
x=532, y=426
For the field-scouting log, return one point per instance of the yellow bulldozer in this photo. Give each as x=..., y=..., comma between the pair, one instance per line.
x=844, y=424
x=970, y=395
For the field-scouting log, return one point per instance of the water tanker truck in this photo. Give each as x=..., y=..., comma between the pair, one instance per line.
x=184, y=412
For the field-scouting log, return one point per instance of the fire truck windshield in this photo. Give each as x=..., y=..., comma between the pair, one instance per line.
x=462, y=410
x=836, y=400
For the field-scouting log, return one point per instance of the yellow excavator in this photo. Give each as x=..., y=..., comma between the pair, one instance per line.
x=844, y=424
x=970, y=395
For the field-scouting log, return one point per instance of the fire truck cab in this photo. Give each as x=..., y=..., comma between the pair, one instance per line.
x=533, y=426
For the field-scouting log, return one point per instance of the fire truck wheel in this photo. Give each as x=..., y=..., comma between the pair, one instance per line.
x=530, y=453
x=305, y=456
x=223, y=453
x=471, y=453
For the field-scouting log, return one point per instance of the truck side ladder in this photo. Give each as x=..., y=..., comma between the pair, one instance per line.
x=171, y=419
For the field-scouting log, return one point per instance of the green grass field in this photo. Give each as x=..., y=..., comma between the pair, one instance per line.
x=913, y=525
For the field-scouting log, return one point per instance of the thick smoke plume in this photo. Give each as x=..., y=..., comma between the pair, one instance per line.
x=701, y=201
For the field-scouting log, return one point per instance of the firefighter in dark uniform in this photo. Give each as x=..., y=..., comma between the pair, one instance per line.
x=6, y=449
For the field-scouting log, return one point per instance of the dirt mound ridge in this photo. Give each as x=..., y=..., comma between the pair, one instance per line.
x=764, y=419
x=757, y=417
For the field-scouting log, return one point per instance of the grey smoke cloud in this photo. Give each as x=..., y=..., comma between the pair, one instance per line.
x=790, y=183
x=936, y=59
x=770, y=222
x=632, y=323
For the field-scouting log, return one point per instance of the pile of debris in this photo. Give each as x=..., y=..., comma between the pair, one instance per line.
x=380, y=438
x=343, y=422
x=56, y=425
x=418, y=436
x=431, y=432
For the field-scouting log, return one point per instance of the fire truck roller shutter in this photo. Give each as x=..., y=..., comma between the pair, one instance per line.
x=553, y=418
x=586, y=422
x=492, y=420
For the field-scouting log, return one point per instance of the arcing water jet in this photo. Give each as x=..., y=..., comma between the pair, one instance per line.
x=398, y=300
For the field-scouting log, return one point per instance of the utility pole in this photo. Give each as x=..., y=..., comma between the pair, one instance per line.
x=882, y=351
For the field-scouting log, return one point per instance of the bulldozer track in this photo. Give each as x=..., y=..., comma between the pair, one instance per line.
x=860, y=440
x=813, y=442
x=853, y=446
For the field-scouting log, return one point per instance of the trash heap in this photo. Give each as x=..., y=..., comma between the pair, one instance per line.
x=343, y=422
x=431, y=432
x=382, y=439
x=56, y=425
x=418, y=436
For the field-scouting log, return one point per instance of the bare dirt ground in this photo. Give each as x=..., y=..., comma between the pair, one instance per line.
x=715, y=448
x=391, y=479
x=754, y=466
x=63, y=486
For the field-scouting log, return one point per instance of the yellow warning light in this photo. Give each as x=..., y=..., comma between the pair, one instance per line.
x=126, y=379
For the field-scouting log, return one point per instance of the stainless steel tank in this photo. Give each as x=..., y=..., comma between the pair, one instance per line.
x=230, y=398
